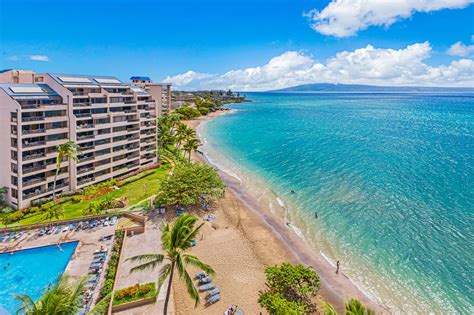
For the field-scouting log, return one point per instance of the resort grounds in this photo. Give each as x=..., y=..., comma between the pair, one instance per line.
x=239, y=243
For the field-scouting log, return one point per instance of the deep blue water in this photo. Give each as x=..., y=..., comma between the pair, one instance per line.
x=391, y=177
x=31, y=271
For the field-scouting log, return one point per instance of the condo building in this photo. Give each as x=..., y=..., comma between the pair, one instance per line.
x=114, y=124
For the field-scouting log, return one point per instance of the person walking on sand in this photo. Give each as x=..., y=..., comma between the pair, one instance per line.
x=145, y=186
x=338, y=263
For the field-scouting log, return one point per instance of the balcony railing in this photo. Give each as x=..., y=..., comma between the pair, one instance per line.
x=33, y=181
x=32, y=131
x=85, y=180
x=33, y=156
x=85, y=137
x=33, y=118
x=32, y=144
x=27, y=170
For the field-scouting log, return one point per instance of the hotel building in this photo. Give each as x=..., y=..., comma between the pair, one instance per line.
x=114, y=124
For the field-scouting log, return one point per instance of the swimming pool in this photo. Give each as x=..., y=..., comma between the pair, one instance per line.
x=31, y=271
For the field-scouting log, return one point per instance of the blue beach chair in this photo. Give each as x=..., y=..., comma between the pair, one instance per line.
x=206, y=287
x=213, y=299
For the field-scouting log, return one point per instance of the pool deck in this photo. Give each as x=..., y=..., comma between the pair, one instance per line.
x=78, y=265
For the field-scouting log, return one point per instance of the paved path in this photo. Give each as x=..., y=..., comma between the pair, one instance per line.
x=145, y=243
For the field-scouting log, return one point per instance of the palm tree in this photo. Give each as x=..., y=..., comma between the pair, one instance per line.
x=64, y=298
x=54, y=212
x=175, y=241
x=181, y=135
x=191, y=144
x=68, y=149
x=355, y=307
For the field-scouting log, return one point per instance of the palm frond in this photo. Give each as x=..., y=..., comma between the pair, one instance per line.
x=183, y=274
x=193, y=260
x=101, y=307
x=164, y=273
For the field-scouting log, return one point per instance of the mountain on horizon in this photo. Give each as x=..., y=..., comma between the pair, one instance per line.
x=335, y=87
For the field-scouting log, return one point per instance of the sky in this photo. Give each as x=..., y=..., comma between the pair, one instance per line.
x=247, y=45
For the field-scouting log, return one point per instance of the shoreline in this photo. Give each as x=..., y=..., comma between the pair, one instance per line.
x=286, y=244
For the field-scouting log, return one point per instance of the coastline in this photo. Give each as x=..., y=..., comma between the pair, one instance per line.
x=273, y=242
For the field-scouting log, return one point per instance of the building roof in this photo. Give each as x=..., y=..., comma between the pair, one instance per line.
x=27, y=91
x=81, y=79
x=140, y=78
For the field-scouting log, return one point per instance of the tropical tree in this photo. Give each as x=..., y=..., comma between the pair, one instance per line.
x=64, y=298
x=3, y=192
x=191, y=144
x=355, y=307
x=175, y=241
x=189, y=184
x=181, y=135
x=165, y=127
x=54, y=212
x=69, y=150
x=290, y=287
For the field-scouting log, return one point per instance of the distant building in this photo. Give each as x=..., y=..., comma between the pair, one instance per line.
x=161, y=92
x=113, y=122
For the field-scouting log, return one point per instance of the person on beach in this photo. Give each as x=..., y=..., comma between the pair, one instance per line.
x=338, y=263
x=145, y=186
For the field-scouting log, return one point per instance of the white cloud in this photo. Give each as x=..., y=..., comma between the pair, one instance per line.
x=459, y=49
x=39, y=57
x=368, y=65
x=13, y=58
x=186, y=78
x=342, y=18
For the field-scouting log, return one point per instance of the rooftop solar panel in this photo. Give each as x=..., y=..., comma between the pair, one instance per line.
x=26, y=89
x=75, y=79
x=109, y=81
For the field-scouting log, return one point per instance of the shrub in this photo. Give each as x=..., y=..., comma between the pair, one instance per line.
x=107, y=288
x=133, y=293
x=187, y=112
x=203, y=110
x=76, y=199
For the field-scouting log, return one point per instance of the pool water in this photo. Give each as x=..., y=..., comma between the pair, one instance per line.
x=30, y=271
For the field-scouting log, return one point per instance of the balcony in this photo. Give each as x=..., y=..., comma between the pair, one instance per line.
x=33, y=144
x=33, y=131
x=33, y=181
x=33, y=118
x=32, y=169
x=85, y=180
x=85, y=170
x=33, y=156
x=80, y=138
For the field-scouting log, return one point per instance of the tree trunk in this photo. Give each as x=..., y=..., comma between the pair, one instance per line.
x=189, y=157
x=168, y=292
x=54, y=185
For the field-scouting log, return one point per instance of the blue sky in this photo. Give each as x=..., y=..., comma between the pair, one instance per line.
x=168, y=38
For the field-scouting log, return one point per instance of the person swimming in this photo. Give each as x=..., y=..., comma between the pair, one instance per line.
x=6, y=266
x=315, y=215
x=293, y=192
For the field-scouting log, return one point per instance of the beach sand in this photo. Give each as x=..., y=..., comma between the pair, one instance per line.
x=242, y=241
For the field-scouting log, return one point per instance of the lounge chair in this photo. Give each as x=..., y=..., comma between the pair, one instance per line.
x=95, y=265
x=213, y=292
x=206, y=287
x=200, y=275
x=213, y=299
x=73, y=227
x=79, y=226
x=239, y=312
x=2, y=236
x=59, y=229
x=114, y=220
x=205, y=280
x=93, y=279
x=10, y=236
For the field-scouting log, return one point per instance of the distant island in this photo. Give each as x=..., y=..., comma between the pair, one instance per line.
x=360, y=88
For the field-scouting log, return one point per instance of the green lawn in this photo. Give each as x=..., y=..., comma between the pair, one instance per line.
x=134, y=191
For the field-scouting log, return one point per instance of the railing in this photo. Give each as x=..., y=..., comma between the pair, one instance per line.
x=33, y=169
x=84, y=170
x=33, y=118
x=32, y=144
x=33, y=156
x=85, y=180
x=31, y=131
x=83, y=115
x=85, y=126
x=34, y=181
x=85, y=137
x=86, y=159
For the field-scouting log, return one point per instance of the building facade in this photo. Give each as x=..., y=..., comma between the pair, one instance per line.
x=114, y=124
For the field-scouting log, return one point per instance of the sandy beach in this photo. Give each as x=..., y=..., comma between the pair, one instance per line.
x=245, y=239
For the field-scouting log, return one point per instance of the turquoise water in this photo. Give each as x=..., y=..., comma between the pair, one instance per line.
x=31, y=271
x=391, y=178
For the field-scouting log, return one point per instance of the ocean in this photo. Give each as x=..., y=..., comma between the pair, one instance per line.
x=383, y=183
